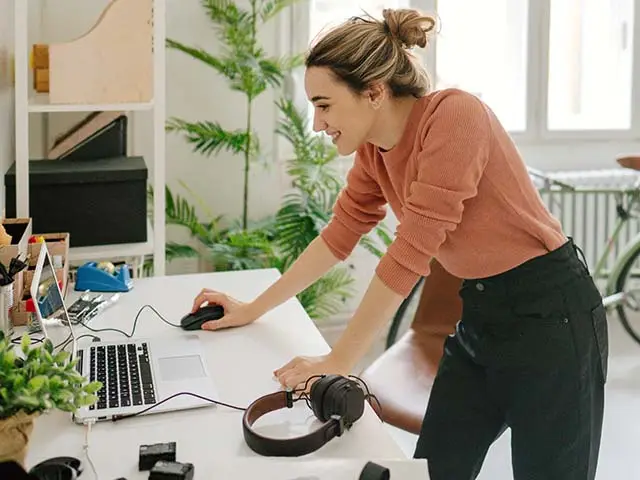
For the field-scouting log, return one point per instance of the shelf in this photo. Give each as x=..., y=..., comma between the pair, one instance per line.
x=105, y=252
x=40, y=103
x=27, y=101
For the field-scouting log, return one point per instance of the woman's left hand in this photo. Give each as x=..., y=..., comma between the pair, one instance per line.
x=296, y=373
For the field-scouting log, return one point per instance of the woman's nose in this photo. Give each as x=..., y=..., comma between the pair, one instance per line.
x=318, y=125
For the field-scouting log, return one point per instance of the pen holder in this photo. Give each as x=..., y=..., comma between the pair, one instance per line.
x=6, y=302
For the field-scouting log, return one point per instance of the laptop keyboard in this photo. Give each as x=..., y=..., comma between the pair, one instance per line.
x=125, y=372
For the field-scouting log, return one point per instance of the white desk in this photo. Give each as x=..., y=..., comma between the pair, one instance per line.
x=241, y=360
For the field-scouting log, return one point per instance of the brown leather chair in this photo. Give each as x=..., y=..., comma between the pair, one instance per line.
x=401, y=378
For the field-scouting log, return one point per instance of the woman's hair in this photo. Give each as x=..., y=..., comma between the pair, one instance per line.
x=363, y=51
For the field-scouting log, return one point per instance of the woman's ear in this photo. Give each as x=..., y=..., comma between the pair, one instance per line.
x=375, y=95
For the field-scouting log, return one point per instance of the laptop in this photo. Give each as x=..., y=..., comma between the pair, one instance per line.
x=138, y=374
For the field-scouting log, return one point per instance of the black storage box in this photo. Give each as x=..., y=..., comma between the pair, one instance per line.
x=98, y=202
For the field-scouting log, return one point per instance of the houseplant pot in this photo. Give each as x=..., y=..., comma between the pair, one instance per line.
x=34, y=380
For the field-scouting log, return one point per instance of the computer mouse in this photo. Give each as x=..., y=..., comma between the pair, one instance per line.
x=194, y=321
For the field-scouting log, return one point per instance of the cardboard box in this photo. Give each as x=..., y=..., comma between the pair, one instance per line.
x=20, y=231
x=57, y=244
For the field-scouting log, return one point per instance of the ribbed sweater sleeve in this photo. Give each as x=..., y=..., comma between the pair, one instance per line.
x=360, y=206
x=454, y=153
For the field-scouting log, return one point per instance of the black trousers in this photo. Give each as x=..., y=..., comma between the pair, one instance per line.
x=530, y=354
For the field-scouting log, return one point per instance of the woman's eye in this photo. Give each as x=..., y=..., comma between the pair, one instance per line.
x=323, y=107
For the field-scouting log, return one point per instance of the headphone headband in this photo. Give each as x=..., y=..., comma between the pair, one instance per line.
x=336, y=401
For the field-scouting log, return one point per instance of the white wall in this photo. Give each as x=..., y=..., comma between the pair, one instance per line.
x=6, y=92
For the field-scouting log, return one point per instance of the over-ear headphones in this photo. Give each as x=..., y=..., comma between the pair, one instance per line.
x=337, y=401
x=57, y=468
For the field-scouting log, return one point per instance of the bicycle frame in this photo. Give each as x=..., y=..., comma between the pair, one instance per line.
x=611, y=297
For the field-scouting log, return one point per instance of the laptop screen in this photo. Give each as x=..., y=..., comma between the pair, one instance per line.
x=48, y=301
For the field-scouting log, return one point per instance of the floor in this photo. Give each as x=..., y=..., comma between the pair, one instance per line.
x=621, y=433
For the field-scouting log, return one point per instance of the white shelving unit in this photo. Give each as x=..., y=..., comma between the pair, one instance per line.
x=27, y=102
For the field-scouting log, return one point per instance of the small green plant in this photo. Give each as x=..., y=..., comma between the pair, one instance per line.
x=36, y=380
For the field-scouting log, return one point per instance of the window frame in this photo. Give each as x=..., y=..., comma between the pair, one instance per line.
x=536, y=129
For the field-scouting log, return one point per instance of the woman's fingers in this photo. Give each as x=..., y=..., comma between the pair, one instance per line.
x=291, y=364
x=293, y=377
x=224, y=322
x=210, y=296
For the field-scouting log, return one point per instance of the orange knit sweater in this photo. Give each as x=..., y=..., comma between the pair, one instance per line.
x=459, y=189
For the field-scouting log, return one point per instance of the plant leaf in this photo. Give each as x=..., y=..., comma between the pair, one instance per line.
x=224, y=67
x=209, y=137
x=270, y=8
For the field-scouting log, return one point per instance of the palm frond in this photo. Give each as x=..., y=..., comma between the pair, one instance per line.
x=175, y=250
x=225, y=67
x=270, y=8
x=209, y=137
x=240, y=250
x=298, y=221
x=384, y=234
x=271, y=72
x=179, y=211
x=326, y=297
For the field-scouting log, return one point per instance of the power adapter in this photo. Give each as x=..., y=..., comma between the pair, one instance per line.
x=164, y=470
x=150, y=454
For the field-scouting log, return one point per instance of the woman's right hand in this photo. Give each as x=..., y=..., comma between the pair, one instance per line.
x=236, y=313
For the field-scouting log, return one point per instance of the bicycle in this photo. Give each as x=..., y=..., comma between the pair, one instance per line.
x=616, y=293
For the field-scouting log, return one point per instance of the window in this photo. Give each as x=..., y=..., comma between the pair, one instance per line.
x=559, y=69
x=590, y=53
x=327, y=13
x=481, y=47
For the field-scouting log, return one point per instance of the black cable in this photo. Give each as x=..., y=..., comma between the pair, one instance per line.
x=135, y=321
x=69, y=339
x=17, y=339
x=117, y=418
x=368, y=393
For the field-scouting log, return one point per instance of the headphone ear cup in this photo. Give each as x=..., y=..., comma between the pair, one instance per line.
x=53, y=471
x=319, y=393
x=346, y=399
x=332, y=399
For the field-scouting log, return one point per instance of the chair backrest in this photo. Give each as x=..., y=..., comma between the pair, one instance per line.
x=440, y=305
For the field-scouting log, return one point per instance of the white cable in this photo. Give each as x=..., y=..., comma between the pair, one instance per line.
x=88, y=423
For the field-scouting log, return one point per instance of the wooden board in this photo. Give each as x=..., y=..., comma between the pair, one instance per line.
x=111, y=63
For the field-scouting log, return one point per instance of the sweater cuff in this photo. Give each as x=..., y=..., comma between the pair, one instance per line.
x=396, y=276
x=340, y=239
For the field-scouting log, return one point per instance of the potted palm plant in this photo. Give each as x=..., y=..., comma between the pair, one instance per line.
x=34, y=380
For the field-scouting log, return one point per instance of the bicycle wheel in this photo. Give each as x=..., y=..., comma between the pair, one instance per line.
x=629, y=282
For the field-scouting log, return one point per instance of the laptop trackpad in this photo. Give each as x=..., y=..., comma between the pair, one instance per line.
x=180, y=368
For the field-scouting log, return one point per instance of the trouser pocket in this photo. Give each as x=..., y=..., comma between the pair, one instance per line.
x=601, y=335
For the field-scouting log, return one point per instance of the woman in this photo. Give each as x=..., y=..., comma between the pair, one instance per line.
x=530, y=351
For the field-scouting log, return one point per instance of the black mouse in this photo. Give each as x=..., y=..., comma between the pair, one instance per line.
x=194, y=321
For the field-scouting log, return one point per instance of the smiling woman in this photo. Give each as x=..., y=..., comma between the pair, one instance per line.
x=533, y=326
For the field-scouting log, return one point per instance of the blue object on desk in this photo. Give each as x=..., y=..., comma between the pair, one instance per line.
x=90, y=277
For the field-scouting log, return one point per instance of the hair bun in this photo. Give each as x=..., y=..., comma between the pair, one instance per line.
x=408, y=26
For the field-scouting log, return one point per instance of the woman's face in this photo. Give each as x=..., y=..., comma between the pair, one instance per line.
x=345, y=116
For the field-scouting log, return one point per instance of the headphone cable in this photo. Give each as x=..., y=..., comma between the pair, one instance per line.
x=117, y=418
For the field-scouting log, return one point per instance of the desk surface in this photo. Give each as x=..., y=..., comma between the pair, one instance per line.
x=241, y=360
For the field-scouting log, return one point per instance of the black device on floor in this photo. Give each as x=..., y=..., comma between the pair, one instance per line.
x=151, y=454
x=164, y=470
